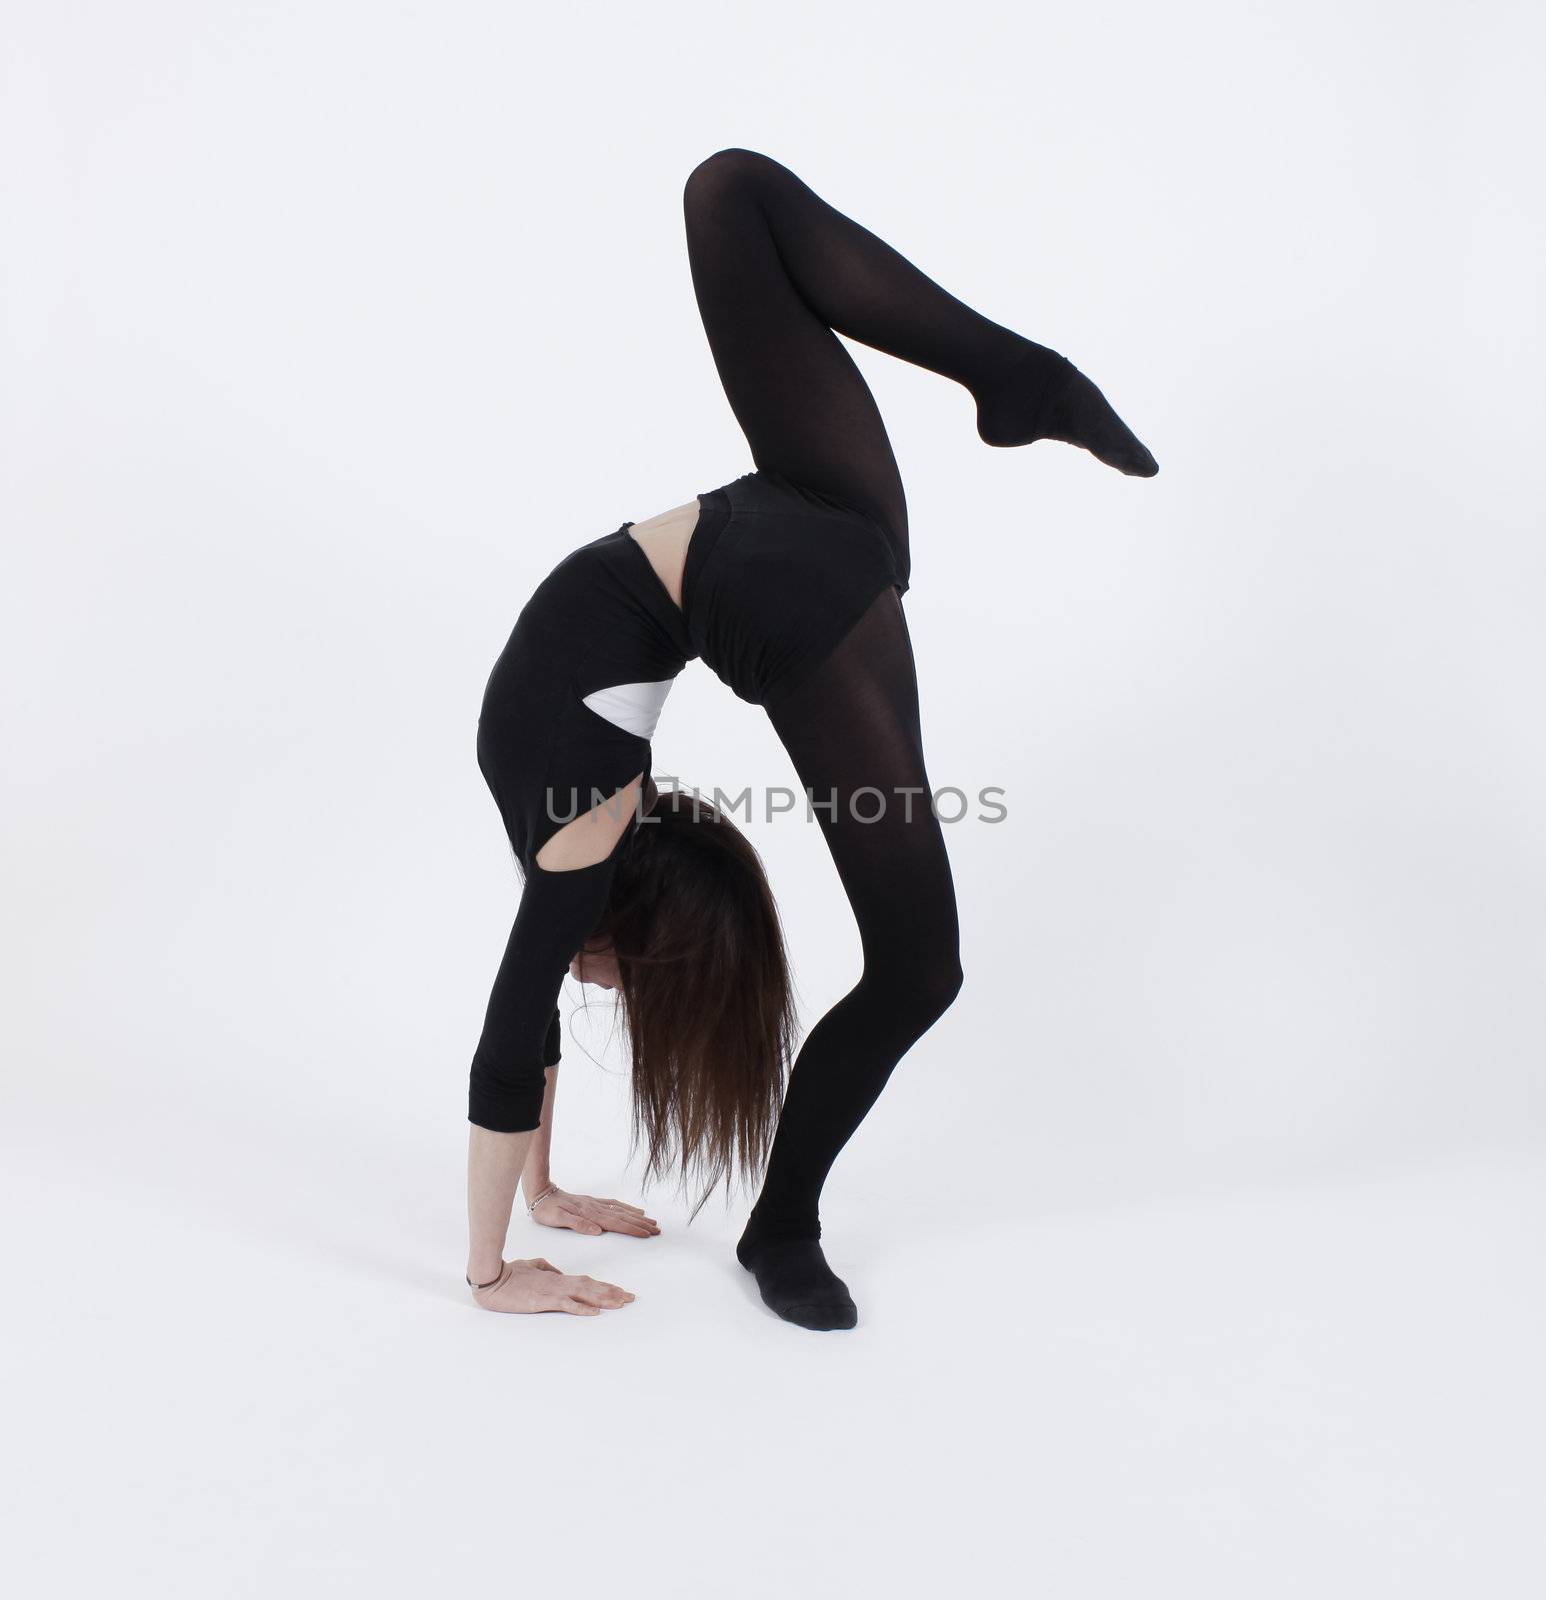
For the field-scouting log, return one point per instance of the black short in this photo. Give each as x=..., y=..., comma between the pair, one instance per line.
x=776, y=576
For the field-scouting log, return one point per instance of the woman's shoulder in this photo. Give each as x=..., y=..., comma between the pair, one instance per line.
x=578, y=565
x=593, y=549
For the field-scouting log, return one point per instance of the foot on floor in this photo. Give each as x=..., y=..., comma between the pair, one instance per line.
x=796, y=1282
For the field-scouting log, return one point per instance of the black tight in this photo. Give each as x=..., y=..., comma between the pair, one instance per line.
x=776, y=270
x=852, y=728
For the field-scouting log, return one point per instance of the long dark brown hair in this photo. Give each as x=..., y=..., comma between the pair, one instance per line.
x=706, y=994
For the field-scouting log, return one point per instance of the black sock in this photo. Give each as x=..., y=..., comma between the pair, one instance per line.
x=796, y=1282
x=1045, y=396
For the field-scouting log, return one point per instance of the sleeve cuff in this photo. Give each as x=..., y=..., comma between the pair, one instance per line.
x=502, y=1106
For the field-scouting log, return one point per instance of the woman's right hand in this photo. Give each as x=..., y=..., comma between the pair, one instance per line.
x=538, y=1285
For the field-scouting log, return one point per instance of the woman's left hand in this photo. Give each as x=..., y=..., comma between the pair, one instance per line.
x=584, y=1213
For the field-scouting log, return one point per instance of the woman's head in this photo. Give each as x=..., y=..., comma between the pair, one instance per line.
x=691, y=941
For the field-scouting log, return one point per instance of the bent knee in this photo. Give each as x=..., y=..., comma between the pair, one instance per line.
x=929, y=989
x=945, y=985
x=728, y=171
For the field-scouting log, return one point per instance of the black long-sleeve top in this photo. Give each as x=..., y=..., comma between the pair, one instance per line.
x=775, y=575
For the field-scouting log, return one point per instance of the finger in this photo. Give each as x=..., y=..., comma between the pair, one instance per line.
x=622, y=1205
x=598, y=1294
x=619, y=1213
x=578, y=1308
x=607, y=1300
x=634, y=1230
x=578, y=1221
x=626, y=1222
x=588, y=1288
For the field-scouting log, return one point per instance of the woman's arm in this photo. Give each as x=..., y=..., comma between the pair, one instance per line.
x=508, y=1088
x=562, y=900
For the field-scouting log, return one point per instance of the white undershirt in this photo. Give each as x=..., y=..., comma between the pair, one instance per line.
x=633, y=707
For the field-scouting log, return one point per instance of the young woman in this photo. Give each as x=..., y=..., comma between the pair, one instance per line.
x=788, y=582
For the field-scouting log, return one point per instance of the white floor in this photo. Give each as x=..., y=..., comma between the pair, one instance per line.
x=264, y=1380
x=1198, y=1248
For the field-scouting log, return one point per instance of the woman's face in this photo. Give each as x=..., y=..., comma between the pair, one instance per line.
x=596, y=964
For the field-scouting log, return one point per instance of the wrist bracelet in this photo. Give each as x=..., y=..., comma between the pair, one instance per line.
x=531, y=1207
x=492, y=1281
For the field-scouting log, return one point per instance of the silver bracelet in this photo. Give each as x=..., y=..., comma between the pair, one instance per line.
x=531, y=1208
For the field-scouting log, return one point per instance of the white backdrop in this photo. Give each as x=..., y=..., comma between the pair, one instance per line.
x=1199, y=1232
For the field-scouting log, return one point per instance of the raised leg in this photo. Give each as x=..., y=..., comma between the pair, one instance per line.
x=776, y=269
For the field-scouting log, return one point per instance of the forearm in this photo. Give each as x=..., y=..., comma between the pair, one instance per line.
x=556, y=912
x=494, y=1164
x=537, y=1173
